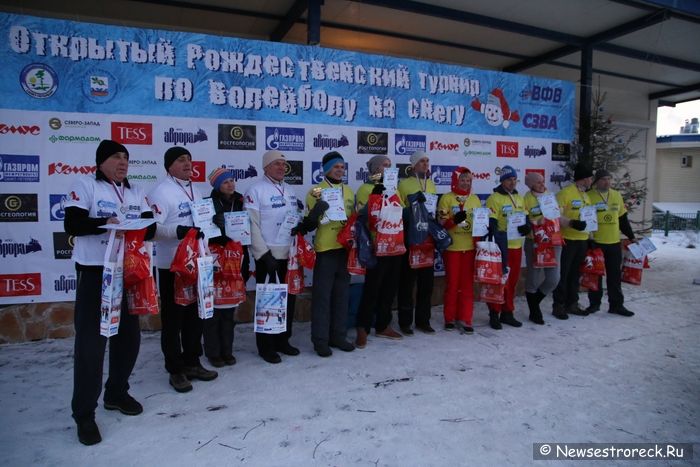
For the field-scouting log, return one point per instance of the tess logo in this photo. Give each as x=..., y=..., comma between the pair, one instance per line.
x=132, y=133
x=198, y=171
x=506, y=149
x=18, y=285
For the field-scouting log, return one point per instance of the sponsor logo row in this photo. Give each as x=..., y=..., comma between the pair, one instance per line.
x=31, y=284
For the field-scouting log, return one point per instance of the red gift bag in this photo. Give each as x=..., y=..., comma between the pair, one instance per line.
x=547, y=233
x=545, y=257
x=494, y=293
x=354, y=266
x=590, y=281
x=594, y=262
x=632, y=269
x=136, y=259
x=422, y=255
x=389, y=238
x=142, y=297
x=184, y=266
x=305, y=253
x=229, y=286
x=488, y=264
x=346, y=236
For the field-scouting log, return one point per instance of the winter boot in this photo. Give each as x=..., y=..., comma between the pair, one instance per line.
x=494, y=322
x=507, y=317
x=559, y=311
x=533, y=303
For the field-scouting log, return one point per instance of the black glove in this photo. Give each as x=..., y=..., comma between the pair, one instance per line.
x=577, y=225
x=220, y=240
x=591, y=244
x=420, y=197
x=493, y=228
x=460, y=217
x=524, y=229
x=270, y=262
x=219, y=221
x=182, y=230
x=317, y=211
x=378, y=189
x=300, y=205
x=299, y=228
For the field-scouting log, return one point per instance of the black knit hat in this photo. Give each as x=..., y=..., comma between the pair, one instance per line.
x=173, y=153
x=582, y=171
x=600, y=173
x=106, y=149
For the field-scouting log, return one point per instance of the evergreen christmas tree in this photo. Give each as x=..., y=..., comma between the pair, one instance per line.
x=611, y=150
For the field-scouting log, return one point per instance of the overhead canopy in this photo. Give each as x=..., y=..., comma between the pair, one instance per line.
x=651, y=46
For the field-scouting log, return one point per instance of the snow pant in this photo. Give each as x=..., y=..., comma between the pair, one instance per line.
x=378, y=293
x=459, y=288
x=89, y=353
x=422, y=279
x=270, y=343
x=543, y=279
x=515, y=256
x=330, y=297
x=613, y=277
x=572, y=255
x=181, y=327
x=218, y=333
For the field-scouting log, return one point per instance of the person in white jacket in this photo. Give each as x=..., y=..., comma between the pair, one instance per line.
x=181, y=333
x=269, y=202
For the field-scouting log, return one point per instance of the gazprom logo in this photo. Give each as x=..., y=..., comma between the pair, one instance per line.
x=285, y=139
x=405, y=145
x=317, y=173
x=57, y=207
x=442, y=174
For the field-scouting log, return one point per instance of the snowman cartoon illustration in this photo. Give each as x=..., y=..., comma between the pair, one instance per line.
x=496, y=110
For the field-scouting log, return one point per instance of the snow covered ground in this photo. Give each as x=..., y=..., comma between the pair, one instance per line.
x=446, y=399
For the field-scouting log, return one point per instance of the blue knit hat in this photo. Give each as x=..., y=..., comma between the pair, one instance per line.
x=219, y=176
x=330, y=159
x=508, y=172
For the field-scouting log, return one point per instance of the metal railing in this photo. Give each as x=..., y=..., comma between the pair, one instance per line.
x=675, y=221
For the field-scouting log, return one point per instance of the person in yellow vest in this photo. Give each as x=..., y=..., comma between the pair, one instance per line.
x=503, y=203
x=375, y=166
x=539, y=282
x=418, y=185
x=612, y=219
x=455, y=211
x=571, y=199
x=329, y=295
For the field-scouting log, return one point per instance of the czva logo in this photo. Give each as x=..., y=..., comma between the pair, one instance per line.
x=39, y=80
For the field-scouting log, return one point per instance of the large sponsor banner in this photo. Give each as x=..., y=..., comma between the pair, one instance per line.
x=67, y=86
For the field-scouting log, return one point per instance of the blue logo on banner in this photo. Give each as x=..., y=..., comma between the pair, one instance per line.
x=14, y=168
x=442, y=174
x=284, y=139
x=39, y=80
x=317, y=173
x=100, y=86
x=405, y=145
x=57, y=207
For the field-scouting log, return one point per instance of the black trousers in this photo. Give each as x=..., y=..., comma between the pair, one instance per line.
x=381, y=283
x=572, y=255
x=330, y=297
x=181, y=332
x=613, y=277
x=422, y=279
x=90, y=347
x=218, y=333
x=268, y=343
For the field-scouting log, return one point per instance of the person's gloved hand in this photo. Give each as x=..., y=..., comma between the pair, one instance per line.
x=270, y=262
x=378, y=189
x=182, y=230
x=298, y=229
x=460, y=217
x=420, y=197
x=524, y=229
x=220, y=240
x=219, y=221
x=317, y=211
x=493, y=228
x=300, y=205
x=577, y=225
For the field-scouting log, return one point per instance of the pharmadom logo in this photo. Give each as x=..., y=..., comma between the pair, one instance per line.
x=285, y=139
x=405, y=145
x=39, y=80
x=100, y=86
x=442, y=174
x=330, y=142
x=15, y=249
x=177, y=136
x=530, y=151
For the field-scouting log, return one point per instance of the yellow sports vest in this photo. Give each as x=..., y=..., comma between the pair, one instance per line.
x=461, y=234
x=327, y=234
x=571, y=200
x=609, y=207
x=503, y=205
x=410, y=185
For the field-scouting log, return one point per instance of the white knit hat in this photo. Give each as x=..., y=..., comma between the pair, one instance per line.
x=417, y=156
x=271, y=156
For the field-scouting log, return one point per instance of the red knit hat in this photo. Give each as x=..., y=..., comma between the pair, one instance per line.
x=455, y=180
